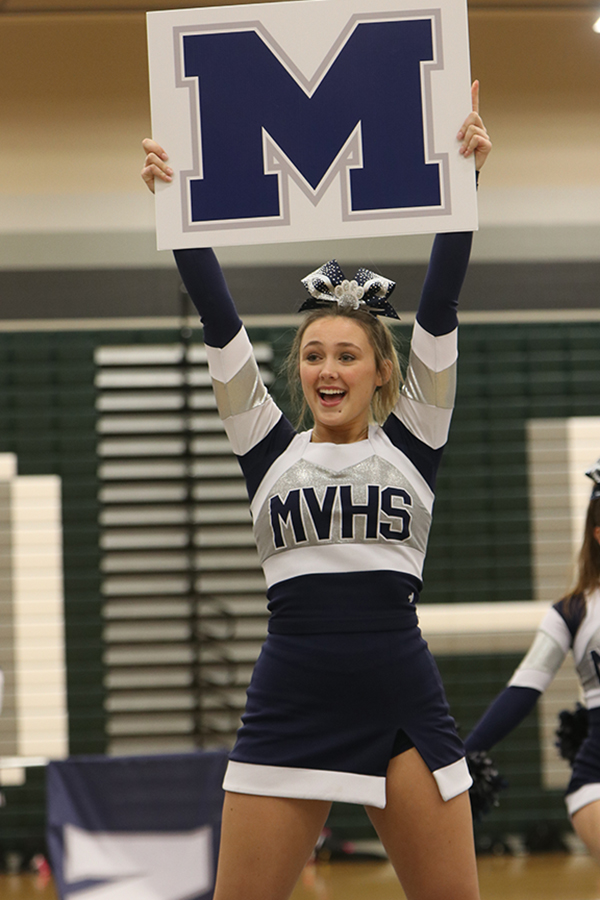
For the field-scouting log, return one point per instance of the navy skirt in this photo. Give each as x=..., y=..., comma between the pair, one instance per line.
x=326, y=712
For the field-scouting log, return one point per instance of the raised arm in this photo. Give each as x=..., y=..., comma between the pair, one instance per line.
x=450, y=253
x=199, y=268
x=420, y=423
x=256, y=428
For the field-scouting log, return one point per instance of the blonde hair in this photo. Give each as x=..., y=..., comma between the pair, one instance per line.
x=380, y=339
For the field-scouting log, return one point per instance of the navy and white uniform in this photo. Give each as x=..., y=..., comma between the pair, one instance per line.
x=344, y=681
x=574, y=626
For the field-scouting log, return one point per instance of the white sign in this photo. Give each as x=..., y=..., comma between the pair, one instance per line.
x=133, y=866
x=311, y=120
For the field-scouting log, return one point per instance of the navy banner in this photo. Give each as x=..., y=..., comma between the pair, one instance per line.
x=135, y=828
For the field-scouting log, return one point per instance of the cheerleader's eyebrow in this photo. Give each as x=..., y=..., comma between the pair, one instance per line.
x=339, y=344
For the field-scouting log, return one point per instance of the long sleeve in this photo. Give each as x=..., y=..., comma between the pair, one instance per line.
x=246, y=408
x=446, y=272
x=256, y=428
x=505, y=713
x=206, y=285
x=420, y=422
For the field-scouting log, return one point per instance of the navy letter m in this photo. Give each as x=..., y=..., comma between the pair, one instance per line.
x=374, y=81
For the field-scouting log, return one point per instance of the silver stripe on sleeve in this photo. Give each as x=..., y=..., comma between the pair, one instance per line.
x=426, y=386
x=545, y=655
x=430, y=424
x=245, y=391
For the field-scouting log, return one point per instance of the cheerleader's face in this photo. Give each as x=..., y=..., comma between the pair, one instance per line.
x=339, y=377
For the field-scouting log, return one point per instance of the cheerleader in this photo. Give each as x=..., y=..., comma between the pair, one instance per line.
x=571, y=624
x=345, y=701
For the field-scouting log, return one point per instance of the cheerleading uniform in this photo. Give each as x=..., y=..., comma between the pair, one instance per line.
x=344, y=681
x=574, y=626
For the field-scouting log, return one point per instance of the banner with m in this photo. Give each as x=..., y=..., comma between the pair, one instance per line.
x=310, y=120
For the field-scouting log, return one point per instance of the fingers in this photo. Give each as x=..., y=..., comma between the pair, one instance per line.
x=473, y=117
x=151, y=146
x=477, y=144
x=472, y=120
x=475, y=96
x=155, y=164
x=475, y=141
x=473, y=135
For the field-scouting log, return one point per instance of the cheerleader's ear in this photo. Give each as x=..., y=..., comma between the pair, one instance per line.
x=385, y=373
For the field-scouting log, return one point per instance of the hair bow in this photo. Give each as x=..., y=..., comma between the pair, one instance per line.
x=594, y=474
x=328, y=285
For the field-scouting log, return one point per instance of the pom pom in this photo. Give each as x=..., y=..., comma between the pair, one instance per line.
x=487, y=783
x=571, y=732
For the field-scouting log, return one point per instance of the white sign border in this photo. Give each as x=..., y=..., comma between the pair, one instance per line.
x=176, y=126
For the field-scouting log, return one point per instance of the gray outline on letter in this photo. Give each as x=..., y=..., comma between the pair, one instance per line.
x=349, y=156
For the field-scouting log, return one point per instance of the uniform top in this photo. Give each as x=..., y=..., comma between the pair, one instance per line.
x=575, y=626
x=341, y=529
x=568, y=625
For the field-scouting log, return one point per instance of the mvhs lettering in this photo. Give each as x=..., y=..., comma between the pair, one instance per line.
x=302, y=505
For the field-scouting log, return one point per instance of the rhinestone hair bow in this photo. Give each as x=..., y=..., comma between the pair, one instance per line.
x=367, y=290
x=594, y=474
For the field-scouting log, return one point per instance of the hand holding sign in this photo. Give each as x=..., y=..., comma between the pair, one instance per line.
x=156, y=164
x=473, y=135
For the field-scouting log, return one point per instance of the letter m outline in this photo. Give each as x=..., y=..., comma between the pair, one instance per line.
x=364, y=118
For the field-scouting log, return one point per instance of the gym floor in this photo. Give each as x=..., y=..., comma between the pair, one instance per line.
x=540, y=877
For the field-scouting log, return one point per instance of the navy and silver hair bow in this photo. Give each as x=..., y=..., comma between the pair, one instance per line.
x=367, y=290
x=594, y=474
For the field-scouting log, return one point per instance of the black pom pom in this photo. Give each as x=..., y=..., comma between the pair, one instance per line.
x=487, y=783
x=571, y=732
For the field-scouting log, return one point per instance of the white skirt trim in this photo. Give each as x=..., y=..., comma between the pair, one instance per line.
x=452, y=780
x=581, y=797
x=305, y=784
